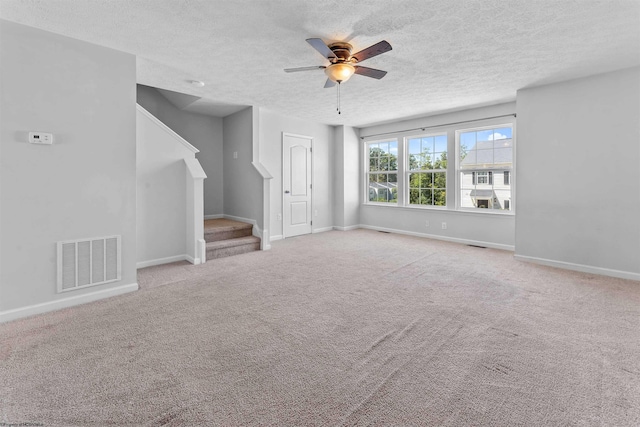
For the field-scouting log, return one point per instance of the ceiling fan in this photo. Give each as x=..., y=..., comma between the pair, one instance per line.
x=342, y=63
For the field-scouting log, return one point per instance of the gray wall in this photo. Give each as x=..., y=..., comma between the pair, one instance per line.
x=338, y=177
x=161, y=192
x=82, y=186
x=578, y=173
x=346, y=178
x=494, y=230
x=203, y=132
x=271, y=127
x=242, y=183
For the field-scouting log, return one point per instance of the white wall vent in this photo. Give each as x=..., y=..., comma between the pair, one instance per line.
x=88, y=262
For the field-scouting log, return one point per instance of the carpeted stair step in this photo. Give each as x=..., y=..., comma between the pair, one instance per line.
x=225, y=229
x=229, y=247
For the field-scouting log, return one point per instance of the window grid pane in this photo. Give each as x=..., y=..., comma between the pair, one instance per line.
x=428, y=155
x=382, y=173
x=486, y=159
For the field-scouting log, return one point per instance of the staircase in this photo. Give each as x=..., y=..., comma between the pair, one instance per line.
x=225, y=237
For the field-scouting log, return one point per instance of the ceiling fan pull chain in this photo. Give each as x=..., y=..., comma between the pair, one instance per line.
x=339, y=112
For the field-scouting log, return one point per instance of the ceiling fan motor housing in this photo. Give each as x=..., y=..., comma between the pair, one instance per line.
x=342, y=50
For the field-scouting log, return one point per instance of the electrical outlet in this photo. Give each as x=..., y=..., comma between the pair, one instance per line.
x=444, y=225
x=41, y=138
x=426, y=224
x=279, y=217
x=315, y=213
x=235, y=154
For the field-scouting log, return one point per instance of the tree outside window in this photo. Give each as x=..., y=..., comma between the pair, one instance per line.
x=427, y=170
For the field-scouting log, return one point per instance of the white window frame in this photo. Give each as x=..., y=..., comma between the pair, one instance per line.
x=458, y=171
x=407, y=171
x=367, y=172
x=452, y=172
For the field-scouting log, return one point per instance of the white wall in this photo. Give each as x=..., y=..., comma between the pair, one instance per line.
x=338, y=178
x=203, y=132
x=493, y=230
x=243, y=185
x=578, y=174
x=346, y=177
x=161, y=191
x=271, y=127
x=82, y=186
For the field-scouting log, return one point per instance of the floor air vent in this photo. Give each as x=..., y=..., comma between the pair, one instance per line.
x=88, y=262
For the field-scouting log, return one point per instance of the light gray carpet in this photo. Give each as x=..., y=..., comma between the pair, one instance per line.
x=338, y=328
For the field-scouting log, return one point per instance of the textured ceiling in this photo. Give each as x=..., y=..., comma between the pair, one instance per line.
x=447, y=54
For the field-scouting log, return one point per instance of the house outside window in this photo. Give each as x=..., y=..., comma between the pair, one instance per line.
x=427, y=170
x=382, y=171
x=485, y=163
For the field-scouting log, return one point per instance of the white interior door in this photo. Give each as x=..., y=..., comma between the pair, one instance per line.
x=296, y=184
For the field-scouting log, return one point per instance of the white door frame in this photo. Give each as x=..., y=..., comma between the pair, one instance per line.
x=282, y=189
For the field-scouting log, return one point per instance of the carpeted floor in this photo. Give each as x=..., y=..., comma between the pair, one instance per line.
x=340, y=329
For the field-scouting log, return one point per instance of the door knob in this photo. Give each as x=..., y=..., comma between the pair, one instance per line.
x=286, y=191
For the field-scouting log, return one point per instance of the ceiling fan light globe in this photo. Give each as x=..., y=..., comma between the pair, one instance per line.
x=340, y=72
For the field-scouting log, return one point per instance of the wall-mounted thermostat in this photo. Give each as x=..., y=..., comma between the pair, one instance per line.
x=40, y=138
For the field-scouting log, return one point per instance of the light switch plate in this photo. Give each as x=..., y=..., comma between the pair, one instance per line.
x=41, y=138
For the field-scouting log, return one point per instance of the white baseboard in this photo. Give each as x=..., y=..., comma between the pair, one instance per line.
x=192, y=260
x=510, y=248
x=202, y=251
x=18, y=313
x=265, y=244
x=314, y=231
x=321, y=230
x=256, y=231
x=491, y=245
x=348, y=228
x=217, y=216
x=580, y=267
x=167, y=260
x=239, y=218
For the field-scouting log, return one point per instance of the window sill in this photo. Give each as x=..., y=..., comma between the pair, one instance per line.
x=485, y=212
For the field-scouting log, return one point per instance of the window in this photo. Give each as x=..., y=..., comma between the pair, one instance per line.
x=382, y=171
x=413, y=171
x=427, y=170
x=484, y=165
x=482, y=177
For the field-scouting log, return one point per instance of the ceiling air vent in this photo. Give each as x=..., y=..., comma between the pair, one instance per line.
x=88, y=262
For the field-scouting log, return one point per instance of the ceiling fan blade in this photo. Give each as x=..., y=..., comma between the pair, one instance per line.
x=321, y=47
x=329, y=83
x=371, y=51
x=294, y=70
x=370, y=72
